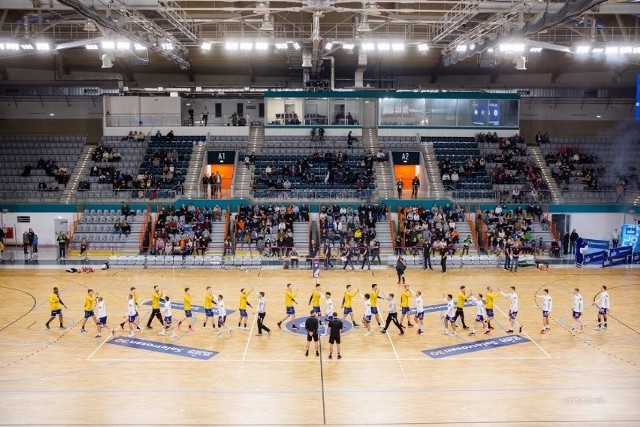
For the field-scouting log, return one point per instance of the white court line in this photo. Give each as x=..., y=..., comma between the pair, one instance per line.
x=100, y=346
x=133, y=360
x=404, y=375
x=527, y=335
x=246, y=347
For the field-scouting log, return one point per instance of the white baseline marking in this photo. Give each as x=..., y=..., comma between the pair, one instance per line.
x=527, y=335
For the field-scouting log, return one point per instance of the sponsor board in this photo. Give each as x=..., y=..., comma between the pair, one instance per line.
x=471, y=347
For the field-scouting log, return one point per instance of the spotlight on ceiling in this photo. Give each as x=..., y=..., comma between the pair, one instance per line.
x=348, y=46
x=90, y=27
x=267, y=23
x=43, y=46
x=461, y=48
x=521, y=62
x=92, y=46
x=231, y=46
x=397, y=47
x=246, y=45
x=535, y=49
x=26, y=46
x=384, y=47
x=107, y=60
x=296, y=46
x=206, y=46
x=281, y=45
x=108, y=45
x=368, y=46
x=583, y=49
x=423, y=47
x=138, y=46
x=328, y=45
x=261, y=46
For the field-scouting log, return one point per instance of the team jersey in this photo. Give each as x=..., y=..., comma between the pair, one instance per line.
x=348, y=296
x=89, y=303
x=513, y=301
x=367, y=308
x=167, y=308
x=479, y=307
x=155, y=299
x=136, y=300
x=243, y=300
x=262, y=305
x=315, y=299
x=289, y=296
x=186, y=301
x=578, y=303
x=404, y=298
x=131, y=308
x=462, y=298
x=221, y=310
x=604, y=299
x=419, y=305
x=451, y=308
x=208, y=301
x=329, y=308
x=54, y=301
x=490, y=297
x=547, y=303
x=102, y=309
x=374, y=298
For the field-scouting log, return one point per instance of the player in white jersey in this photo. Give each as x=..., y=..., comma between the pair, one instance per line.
x=419, y=317
x=547, y=305
x=603, y=309
x=513, y=309
x=168, y=317
x=132, y=313
x=480, y=315
x=222, y=315
x=366, y=317
x=449, y=316
x=578, y=308
x=328, y=314
x=102, y=316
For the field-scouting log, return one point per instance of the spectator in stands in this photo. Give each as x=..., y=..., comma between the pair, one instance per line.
x=205, y=116
x=621, y=190
x=399, y=187
x=126, y=227
x=615, y=238
x=62, y=245
x=572, y=241
x=381, y=156
x=42, y=186
x=191, y=112
x=321, y=133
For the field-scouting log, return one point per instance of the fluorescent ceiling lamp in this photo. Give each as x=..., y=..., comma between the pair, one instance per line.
x=231, y=45
x=26, y=46
x=328, y=45
x=205, y=46
x=43, y=46
x=138, y=46
x=123, y=45
x=636, y=50
x=92, y=47
x=397, y=47
x=583, y=49
x=167, y=46
x=261, y=46
x=472, y=46
x=625, y=49
x=246, y=45
x=611, y=50
x=107, y=45
x=348, y=46
x=512, y=47
x=368, y=46
x=597, y=50
x=461, y=48
x=384, y=47
x=535, y=49
x=490, y=50
x=12, y=46
x=423, y=47
x=296, y=46
x=281, y=45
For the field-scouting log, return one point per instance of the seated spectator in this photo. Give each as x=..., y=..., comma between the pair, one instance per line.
x=42, y=186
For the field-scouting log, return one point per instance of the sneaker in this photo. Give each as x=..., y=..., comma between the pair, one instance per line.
x=62, y=328
x=138, y=328
x=149, y=327
x=355, y=325
x=317, y=353
x=279, y=325
x=520, y=330
x=542, y=331
x=420, y=331
x=472, y=334
x=339, y=356
x=401, y=332
x=410, y=325
x=306, y=353
x=46, y=325
x=487, y=332
x=453, y=333
x=465, y=327
x=597, y=328
x=510, y=331
x=113, y=332
x=383, y=331
x=131, y=334
x=330, y=356
x=573, y=330
x=98, y=336
x=490, y=327
x=83, y=330
x=294, y=327
x=367, y=334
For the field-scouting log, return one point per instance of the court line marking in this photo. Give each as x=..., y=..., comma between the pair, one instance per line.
x=100, y=346
x=246, y=347
x=527, y=335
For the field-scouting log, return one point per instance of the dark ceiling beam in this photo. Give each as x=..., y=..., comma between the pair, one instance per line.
x=561, y=68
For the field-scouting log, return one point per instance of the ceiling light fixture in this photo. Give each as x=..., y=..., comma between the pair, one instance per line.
x=368, y=46
x=384, y=47
x=231, y=46
x=166, y=46
x=597, y=50
x=261, y=45
x=281, y=45
x=296, y=46
x=206, y=45
x=461, y=48
x=108, y=45
x=43, y=46
x=423, y=47
x=348, y=46
x=535, y=49
x=138, y=46
x=583, y=49
x=246, y=45
x=123, y=45
x=328, y=45
x=397, y=47
x=92, y=47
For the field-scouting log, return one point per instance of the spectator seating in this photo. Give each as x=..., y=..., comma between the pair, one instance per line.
x=97, y=227
x=26, y=161
x=224, y=142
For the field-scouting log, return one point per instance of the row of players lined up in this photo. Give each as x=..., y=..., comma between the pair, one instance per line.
x=161, y=309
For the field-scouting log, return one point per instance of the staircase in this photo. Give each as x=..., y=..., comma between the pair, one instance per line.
x=536, y=154
x=80, y=170
x=383, y=234
x=217, y=237
x=301, y=237
x=243, y=176
x=191, y=186
x=384, y=180
x=435, y=189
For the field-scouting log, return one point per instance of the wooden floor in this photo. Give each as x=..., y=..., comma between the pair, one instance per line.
x=65, y=377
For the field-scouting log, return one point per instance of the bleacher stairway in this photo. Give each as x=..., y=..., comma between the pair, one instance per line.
x=435, y=187
x=191, y=186
x=217, y=237
x=536, y=154
x=384, y=180
x=301, y=237
x=243, y=176
x=80, y=170
x=383, y=234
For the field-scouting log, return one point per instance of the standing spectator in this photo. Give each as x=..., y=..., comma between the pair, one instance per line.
x=466, y=245
x=262, y=312
x=312, y=325
x=572, y=241
x=34, y=244
x=346, y=257
x=615, y=238
x=444, y=252
x=375, y=251
x=364, y=254
x=565, y=243
x=401, y=266
x=205, y=116
x=327, y=256
x=62, y=245
x=426, y=253
x=25, y=242
x=190, y=111
x=415, y=186
x=399, y=187
x=84, y=245
x=335, y=329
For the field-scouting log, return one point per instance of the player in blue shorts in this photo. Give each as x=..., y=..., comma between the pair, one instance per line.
x=547, y=304
x=168, y=317
x=578, y=308
x=102, y=316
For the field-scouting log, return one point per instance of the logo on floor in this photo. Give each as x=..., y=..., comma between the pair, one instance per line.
x=346, y=326
x=471, y=347
x=159, y=347
x=194, y=308
x=439, y=307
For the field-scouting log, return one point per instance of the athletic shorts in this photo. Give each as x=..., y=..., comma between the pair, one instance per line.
x=450, y=318
x=334, y=339
x=313, y=336
x=291, y=310
x=489, y=312
x=102, y=321
x=243, y=313
x=420, y=315
x=88, y=314
x=366, y=319
x=188, y=313
x=221, y=320
x=603, y=311
x=479, y=318
x=576, y=314
x=131, y=319
x=545, y=313
x=405, y=310
x=328, y=318
x=316, y=309
x=208, y=312
x=374, y=310
x=348, y=310
x=56, y=312
x=513, y=315
x=167, y=320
